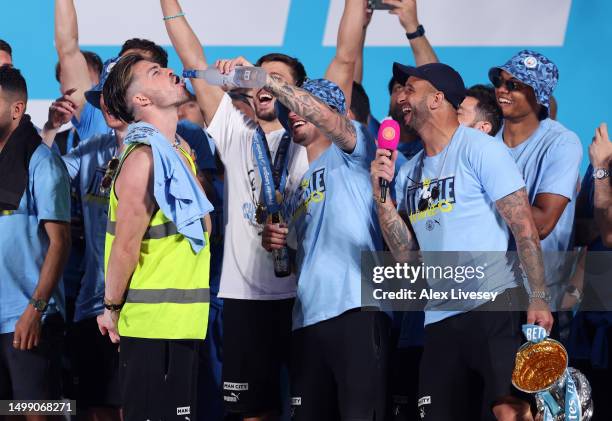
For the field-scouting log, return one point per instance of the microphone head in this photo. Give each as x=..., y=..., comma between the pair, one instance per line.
x=388, y=134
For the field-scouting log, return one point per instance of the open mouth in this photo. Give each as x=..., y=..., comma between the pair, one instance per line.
x=504, y=101
x=177, y=79
x=407, y=110
x=264, y=98
x=297, y=124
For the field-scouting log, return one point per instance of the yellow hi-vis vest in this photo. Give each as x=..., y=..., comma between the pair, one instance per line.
x=168, y=295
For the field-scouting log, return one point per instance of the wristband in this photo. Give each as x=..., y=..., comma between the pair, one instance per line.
x=112, y=307
x=174, y=16
x=420, y=31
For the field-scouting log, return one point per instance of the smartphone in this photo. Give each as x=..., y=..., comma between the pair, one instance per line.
x=378, y=5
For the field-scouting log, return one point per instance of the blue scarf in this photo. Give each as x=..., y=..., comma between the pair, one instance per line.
x=175, y=188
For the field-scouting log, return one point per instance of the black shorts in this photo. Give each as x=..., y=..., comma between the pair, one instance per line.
x=339, y=368
x=256, y=343
x=95, y=366
x=158, y=378
x=468, y=361
x=34, y=374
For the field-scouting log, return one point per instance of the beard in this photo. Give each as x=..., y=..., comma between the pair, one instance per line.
x=267, y=115
x=419, y=115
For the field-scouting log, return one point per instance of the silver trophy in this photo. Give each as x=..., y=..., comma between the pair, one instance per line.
x=541, y=369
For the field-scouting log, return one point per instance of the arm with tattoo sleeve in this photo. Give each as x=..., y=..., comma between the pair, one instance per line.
x=516, y=211
x=397, y=235
x=335, y=126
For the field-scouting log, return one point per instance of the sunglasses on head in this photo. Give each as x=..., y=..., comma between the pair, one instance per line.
x=425, y=203
x=511, y=85
x=107, y=180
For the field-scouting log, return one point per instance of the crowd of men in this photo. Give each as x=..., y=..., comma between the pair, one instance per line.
x=137, y=249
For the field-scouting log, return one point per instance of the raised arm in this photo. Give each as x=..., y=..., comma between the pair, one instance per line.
x=600, y=154
x=406, y=11
x=358, y=74
x=74, y=70
x=350, y=33
x=189, y=50
x=516, y=211
x=335, y=126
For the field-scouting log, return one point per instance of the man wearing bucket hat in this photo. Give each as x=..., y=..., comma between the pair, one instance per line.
x=334, y=345
x=462, y=179
x=547, y=154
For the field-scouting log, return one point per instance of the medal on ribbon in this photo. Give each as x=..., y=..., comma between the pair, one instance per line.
x=273, y=177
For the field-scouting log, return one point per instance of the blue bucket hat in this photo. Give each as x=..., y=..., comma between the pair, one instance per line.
x=326, y=91
x=93, y=95
x=532, y=69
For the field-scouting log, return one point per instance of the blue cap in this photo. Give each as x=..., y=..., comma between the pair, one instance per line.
x=93, y=95
x=532, y=69
x=442, y=76
x=325, y=90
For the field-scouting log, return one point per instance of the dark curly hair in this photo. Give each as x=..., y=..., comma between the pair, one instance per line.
x=297, y=68
x=158, y=54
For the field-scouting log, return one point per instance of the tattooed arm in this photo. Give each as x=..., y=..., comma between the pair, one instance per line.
x=397, y=234
x=335, y=126
x=516, y=211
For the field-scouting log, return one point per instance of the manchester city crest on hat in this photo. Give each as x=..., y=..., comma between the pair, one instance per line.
x=533, y=69
x=531, y=62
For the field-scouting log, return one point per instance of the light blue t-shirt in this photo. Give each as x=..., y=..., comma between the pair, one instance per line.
x=477, y=172
x=87, y=165
x=333, y=215
x=550, y=163
x=24, y=242
x=90, y=123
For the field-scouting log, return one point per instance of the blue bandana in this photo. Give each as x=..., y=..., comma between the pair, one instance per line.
x=326, y=91
x=533, y=69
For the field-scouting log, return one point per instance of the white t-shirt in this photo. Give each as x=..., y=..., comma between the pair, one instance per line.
x=248, y=269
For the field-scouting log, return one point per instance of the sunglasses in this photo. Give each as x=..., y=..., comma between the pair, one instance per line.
x=109, y=175
x=511, y=85
x=426, y=202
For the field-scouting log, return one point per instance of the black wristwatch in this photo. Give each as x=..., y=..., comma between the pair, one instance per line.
x=420, y=31
x=112, y=307
x=39, y=305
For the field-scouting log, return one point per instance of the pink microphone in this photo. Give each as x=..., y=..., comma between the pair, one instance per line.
x=388, y=138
